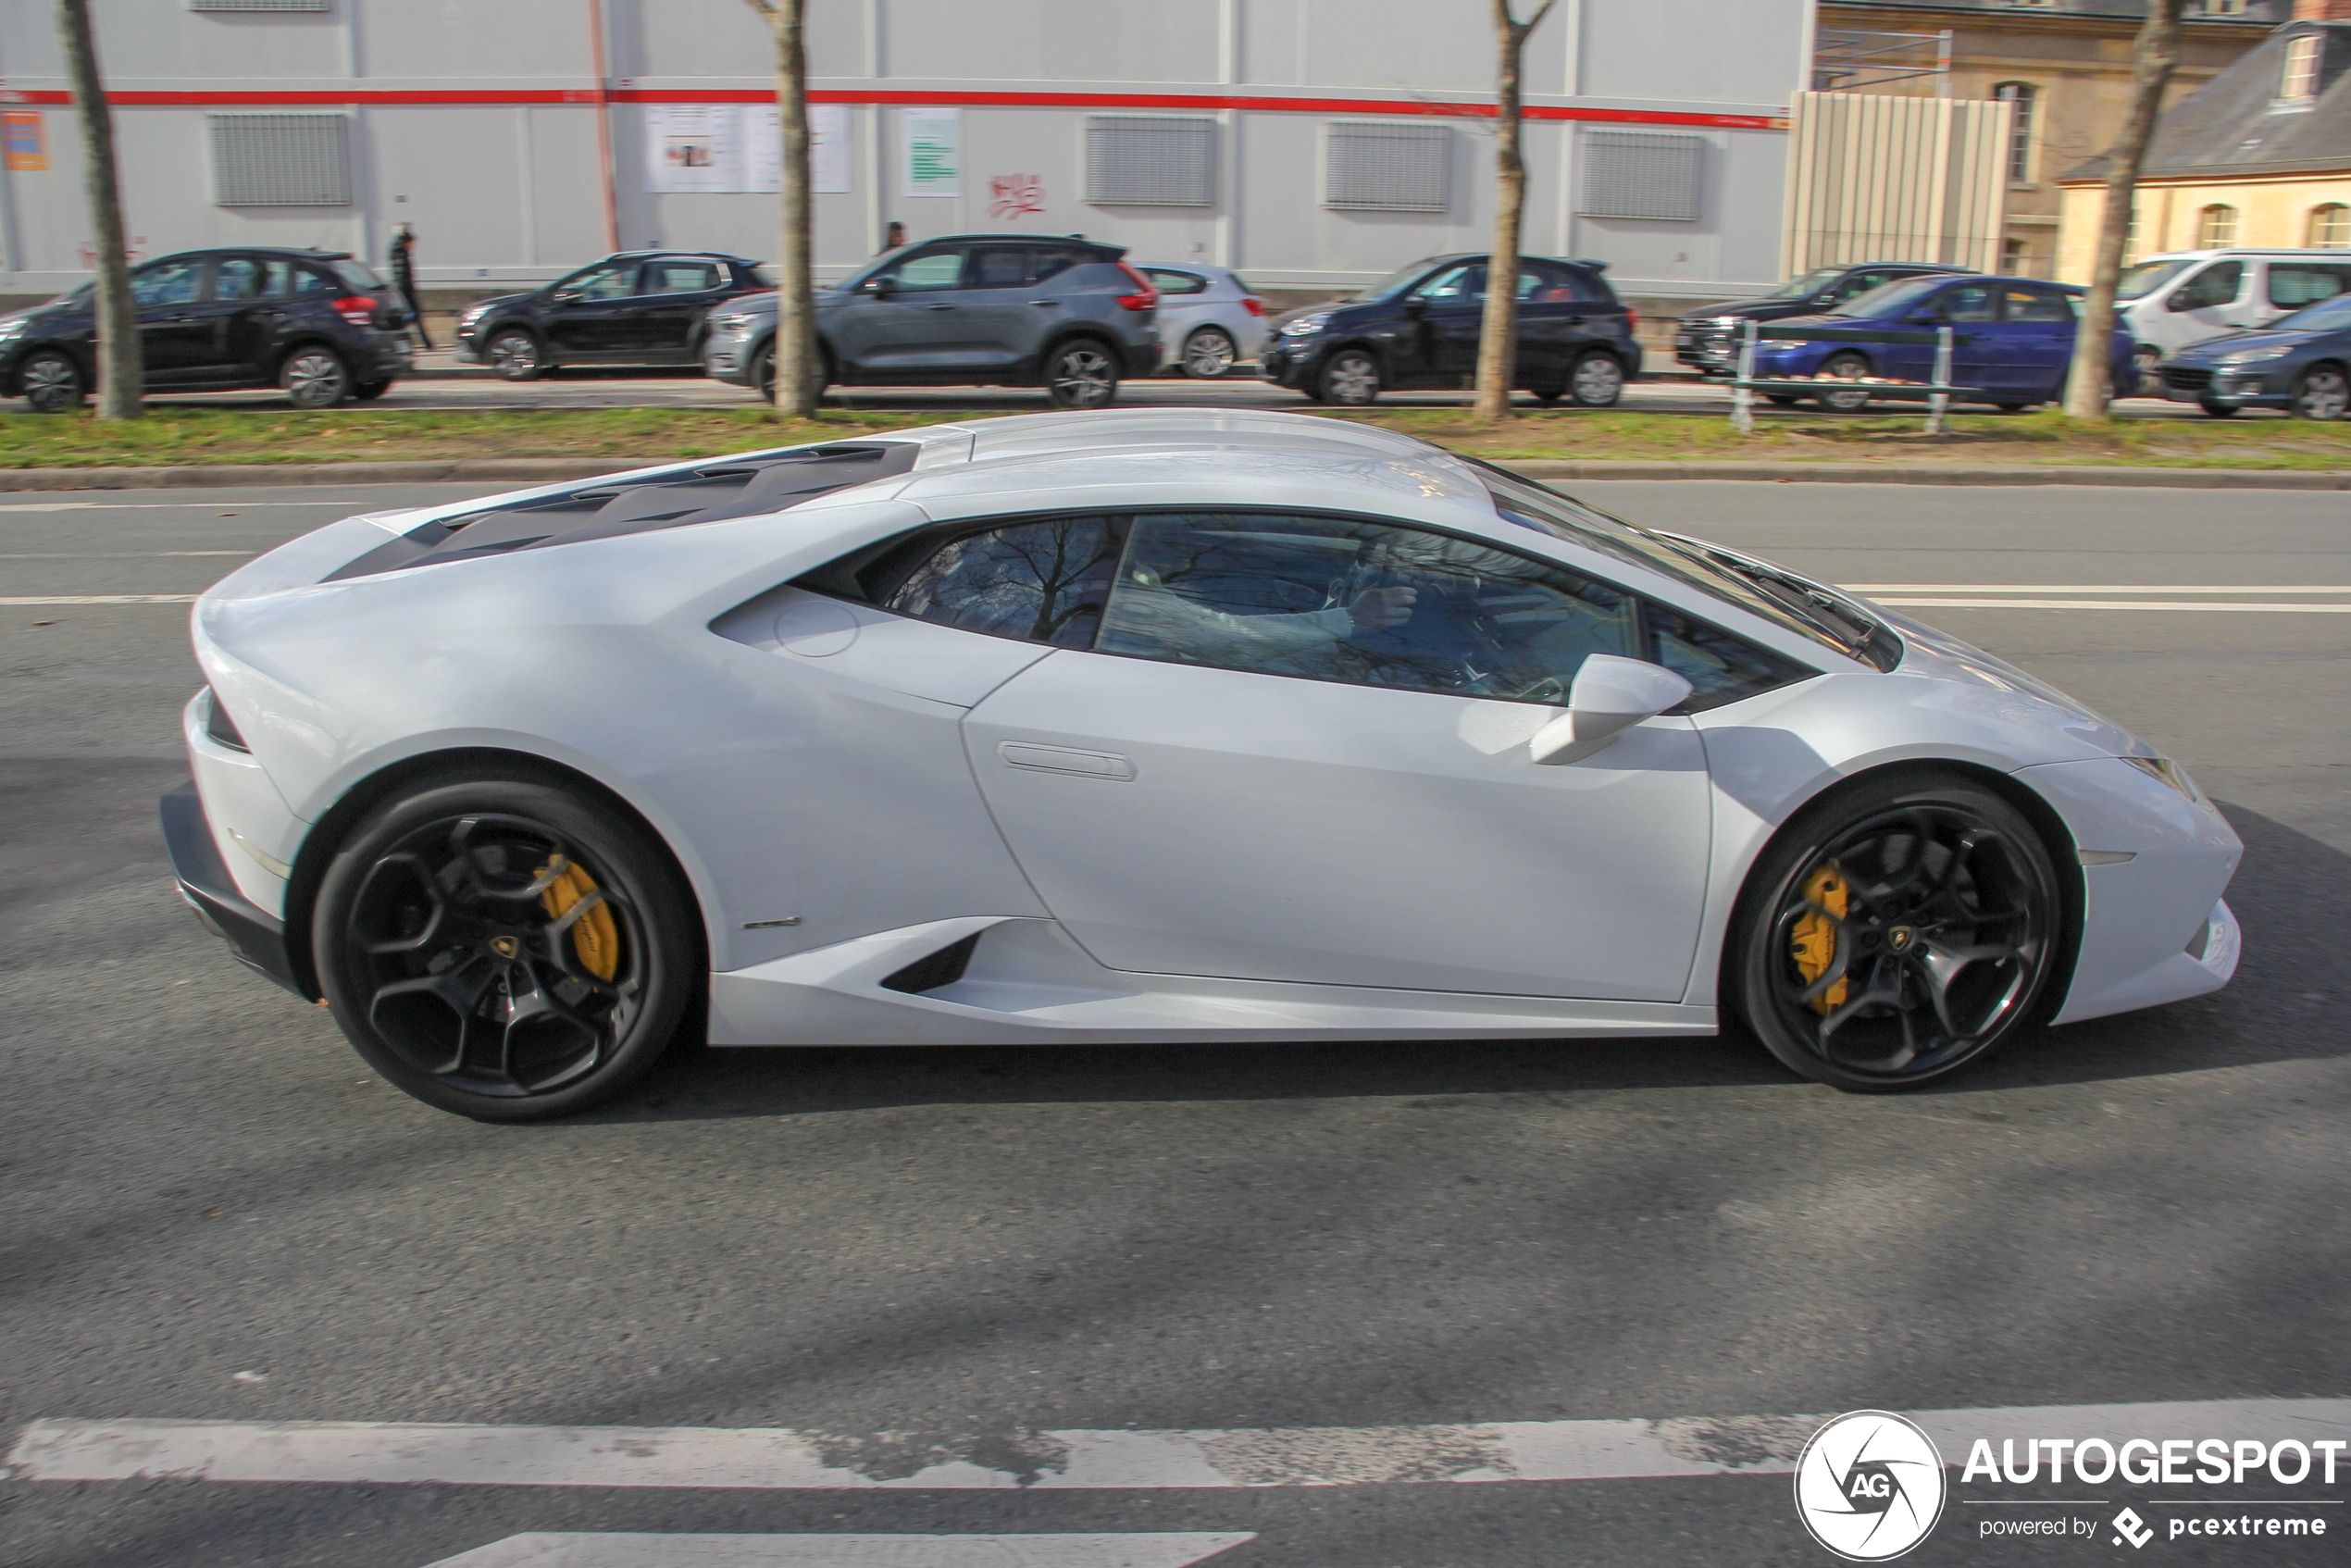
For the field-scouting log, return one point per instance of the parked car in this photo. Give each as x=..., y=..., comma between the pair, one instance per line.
x=1209, y=320
x=1708, y=340
x=2014, y=341
x=1011, y=310
x=1419, y=325
x=316, y=323
x=2173, y=302
x=2300, y=362
x=636, y=308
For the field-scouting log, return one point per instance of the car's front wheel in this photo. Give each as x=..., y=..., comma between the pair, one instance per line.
x=763, y=373
x=1081, y=375
x=2323, y=394
x=367, y=391
x=504, y=948
x=514, y=355
x=1901, y=931
x=1844, y=367
x=51, y=383
x=1210, y=353
x=314, y=376
x=1350, y=378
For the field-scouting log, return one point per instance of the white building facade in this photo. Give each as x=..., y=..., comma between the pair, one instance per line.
x=1311, y=144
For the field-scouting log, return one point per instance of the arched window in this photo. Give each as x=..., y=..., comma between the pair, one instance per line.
x=2331, y=227
x=2216, y=227
x=2024, y=95
x=2301, y=78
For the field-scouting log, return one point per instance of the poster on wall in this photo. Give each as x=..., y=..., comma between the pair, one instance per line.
x=934, y=152
x=25, y=141
x=739, y=147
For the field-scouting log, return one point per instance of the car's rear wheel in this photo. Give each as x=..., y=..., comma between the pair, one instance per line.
x=1350, y=378
x=314, y=376
x=1845, y=368
x=367, y=391
x=1082, y=374
x=51, y=383
x=2149, y=363
x=1903, y=930
x=1597, y=380
x=515, y=355
x=506, y=949
x=2322, y=392
x=1210, y=353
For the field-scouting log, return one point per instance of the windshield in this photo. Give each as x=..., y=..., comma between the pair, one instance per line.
x=1396, y=282
x=1802, y=608
x=1890, y=298
x=2147, y=277
x=2327, y=316
x=1813, y=283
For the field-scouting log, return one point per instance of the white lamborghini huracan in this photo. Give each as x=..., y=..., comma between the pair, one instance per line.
x=1129, y=726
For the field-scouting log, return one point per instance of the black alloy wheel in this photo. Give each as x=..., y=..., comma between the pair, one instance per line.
x=514, y=355
x=1848, y=366
x=506, y=949
x=1081, y=374
x=1896, y=936
x=315, y=376
x=51, y=383
x=1349, y=379
x=2323, y=392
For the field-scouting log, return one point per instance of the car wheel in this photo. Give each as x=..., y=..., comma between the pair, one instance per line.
x=51, y=383
x=1902, y=931
x=367, y=391
x=314, y=376
x=763, y=373
x=1548, y=394
x=2149, y=363
x=1597, y=380
x=1845, y=368
x=2218, y=410
x=1785, y=400
x=515, y=355
x=2322, y=392
x=2011, y=408
x=1210, y=353
x=506, y=949
x=1081, y=375
x=1350, y=378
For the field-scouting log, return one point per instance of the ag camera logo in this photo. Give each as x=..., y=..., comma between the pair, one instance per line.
x=1870, y=1486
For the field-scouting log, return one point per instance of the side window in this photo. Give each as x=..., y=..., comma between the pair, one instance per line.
x=931, y=269
x=1859, y=283
x=999, y=266
x=2294, y=285
x=1364, y=602
x=2217, y=284
x=1042, y=582
x=1455, y=285
x=2034, y=305
x=248, y=278
x=680, y=277
x=601, y=283
x=1969, y=302
x=1050, y=261
x=1169, y=282
x=1719, y=668
x=309, y=282
x=168, y=282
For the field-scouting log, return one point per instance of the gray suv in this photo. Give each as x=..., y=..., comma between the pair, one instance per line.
x=969, y=310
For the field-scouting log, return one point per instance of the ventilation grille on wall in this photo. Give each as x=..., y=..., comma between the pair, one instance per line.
x=280, y=161
x=1150, y=160
x=1640, y=174
x=1371, y=166
x=259, y=5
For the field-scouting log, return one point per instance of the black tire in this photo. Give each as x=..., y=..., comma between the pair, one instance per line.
x=2323, y=392
x=1784, y=400
x=2218, y=410
x=367, y=391
x=1082, y=373
x=1349, y=379
x=1850, y=873
x=473, y=994
x=1850, y=366
x=1548, y=393
x=51, y=382
x=315, y=376
x=515, y=354
x=1209, y=354
x=1595, y=380
x=762, y=372
x=2011, y=408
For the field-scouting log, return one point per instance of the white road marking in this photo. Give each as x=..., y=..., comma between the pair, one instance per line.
x=581, y=1549
x=105, y=599
x=2106, y=605
x=2074, y=588
x=779, y=1459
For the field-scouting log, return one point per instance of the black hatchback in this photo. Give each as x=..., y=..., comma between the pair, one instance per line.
x=1419, y=327
x=315, y=323
x=636, y=307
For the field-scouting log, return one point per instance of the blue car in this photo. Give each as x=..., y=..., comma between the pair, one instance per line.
x=2300, y=362
x=2017, y=341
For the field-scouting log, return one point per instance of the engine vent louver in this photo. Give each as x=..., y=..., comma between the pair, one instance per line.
x=941, y=968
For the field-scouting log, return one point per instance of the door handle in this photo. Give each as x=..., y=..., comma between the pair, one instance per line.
x=1064, y=759
x=1046, y=304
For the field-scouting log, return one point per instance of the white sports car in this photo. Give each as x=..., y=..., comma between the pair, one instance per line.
x=1129, y=726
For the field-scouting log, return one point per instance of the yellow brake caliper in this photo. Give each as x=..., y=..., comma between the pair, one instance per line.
x=594, y=935
x=1814, y=943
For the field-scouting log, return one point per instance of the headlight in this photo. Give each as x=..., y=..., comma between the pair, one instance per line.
x=472, y=315
x=2251, y=356
x=2169, y=774
x=1306, y=326
x=729, y=323
x=11, y=329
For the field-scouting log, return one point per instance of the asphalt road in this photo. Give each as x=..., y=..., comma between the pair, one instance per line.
x=210, y=1211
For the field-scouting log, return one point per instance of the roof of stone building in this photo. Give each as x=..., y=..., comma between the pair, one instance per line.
x=2236, y=124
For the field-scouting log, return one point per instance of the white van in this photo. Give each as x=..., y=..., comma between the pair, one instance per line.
x=2175, y=301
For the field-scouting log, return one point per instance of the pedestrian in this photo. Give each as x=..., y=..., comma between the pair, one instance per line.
x=893, y=237
x=403, y=275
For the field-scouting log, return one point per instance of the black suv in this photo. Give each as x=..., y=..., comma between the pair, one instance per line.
x=1419, y=325
x=636, y=308
x=1708, y=337
x=316, y=323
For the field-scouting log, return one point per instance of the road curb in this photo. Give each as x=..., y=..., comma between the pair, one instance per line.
x=551, y=470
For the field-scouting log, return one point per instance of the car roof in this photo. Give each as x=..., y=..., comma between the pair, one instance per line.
x=1102, y=246
x=253, y=250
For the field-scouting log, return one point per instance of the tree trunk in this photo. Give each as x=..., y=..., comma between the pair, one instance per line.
x=2153, y=58
x=798, y=367
x=1498, y=333
x=119, y=362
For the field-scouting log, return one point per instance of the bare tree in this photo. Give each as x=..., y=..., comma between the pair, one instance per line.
x=119, y=362
x=2153, y=58
x=1497, y=337
x=797, y=365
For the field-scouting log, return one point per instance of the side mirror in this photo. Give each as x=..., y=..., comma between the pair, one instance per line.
x=568, y=296
x=1611, y=695
x=1415, y=305
x=2181, y=300
x=880, y=288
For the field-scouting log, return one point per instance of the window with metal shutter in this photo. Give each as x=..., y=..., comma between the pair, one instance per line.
x=259, y=5
x=1150, y=160
x=1640, y=174
x=280, y=161
x=1373, y=167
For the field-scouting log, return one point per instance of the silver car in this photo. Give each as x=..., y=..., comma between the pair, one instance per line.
x=1209, y=321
